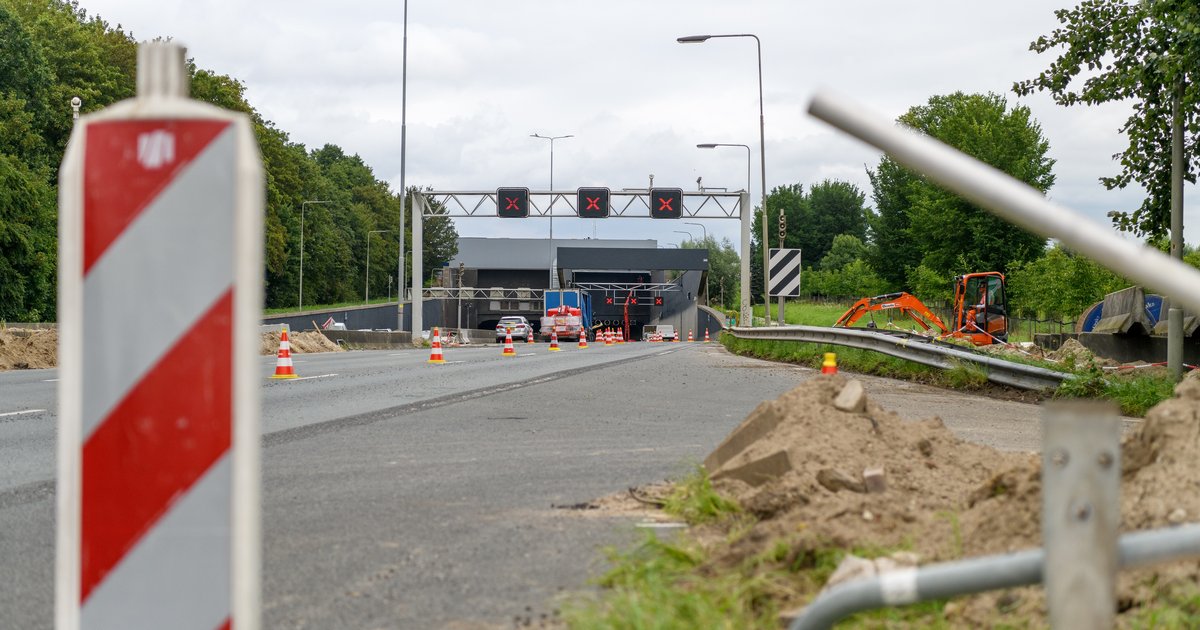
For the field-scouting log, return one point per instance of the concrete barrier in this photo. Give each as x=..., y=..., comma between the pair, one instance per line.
x=1125, y=313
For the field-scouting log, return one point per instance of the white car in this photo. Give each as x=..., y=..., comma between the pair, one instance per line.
x=514, y=325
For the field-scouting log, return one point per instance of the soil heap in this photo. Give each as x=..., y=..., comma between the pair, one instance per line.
x=823, y=466
x=305, y=342
x=23, y=349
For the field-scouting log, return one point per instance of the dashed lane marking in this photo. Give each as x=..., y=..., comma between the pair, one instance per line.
x=305, y=378
x=18, y=413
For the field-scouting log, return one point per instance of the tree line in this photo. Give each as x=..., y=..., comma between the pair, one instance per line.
x=52, y=50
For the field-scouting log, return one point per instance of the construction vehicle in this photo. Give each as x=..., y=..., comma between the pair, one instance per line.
x=568, y=313
x=980, y=310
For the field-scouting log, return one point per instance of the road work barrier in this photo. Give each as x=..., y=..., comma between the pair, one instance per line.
x=161, y=294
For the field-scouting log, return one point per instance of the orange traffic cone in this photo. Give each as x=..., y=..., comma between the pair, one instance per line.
x=620, y=335
x=283, y=361
x=554, y=341
x=690, y=337
x=583, y=340
x=608, y=338
x=676, y=339
x=706, y=339
x=509, y=350
x=435, y=355
x=829, y=365
x=529, y=336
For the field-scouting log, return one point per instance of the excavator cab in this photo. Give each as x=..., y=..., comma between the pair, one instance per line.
x=981, y=308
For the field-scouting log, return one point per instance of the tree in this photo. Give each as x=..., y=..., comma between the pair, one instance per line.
x=846, y=249
x=28, y=258
x=1144, y=52
x=1060, y=284
x=920, y=223
x=724, y=269
x=834, y=208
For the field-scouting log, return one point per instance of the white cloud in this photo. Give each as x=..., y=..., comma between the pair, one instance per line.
x=483, y=75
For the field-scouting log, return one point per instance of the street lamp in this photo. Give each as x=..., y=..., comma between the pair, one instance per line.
x=551, y=210
x=367, y=273
x=690, y=236
x=762, y=143
x=403, y=190
x=300, y=306
x=701, y=226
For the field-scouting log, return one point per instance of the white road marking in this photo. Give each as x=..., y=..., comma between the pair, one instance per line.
x=17, y=413
x=528, y=354
x=305, y=378
x=50, y=380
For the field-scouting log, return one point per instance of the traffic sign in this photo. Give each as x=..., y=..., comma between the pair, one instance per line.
x=593, y=203
x=666, y=203
x=658, y=301
x=785, y=272
x=161, y=294
x=512, y=202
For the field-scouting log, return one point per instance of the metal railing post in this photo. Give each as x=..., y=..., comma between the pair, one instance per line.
x=1081, y=508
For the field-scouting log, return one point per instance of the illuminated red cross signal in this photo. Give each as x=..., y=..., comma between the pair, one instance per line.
x=633, y=300
x=666, y=203
x=512, y=202
x=608, y=300
x=658, y=301
x=593, y=203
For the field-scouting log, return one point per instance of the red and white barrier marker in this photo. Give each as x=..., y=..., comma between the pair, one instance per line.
x=160, y=280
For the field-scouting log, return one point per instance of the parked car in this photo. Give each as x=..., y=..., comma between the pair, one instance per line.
x=514, y=325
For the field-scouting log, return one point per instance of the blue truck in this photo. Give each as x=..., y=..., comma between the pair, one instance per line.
x=567, y=312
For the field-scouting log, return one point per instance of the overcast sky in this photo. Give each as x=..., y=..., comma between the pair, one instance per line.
x=485, y=74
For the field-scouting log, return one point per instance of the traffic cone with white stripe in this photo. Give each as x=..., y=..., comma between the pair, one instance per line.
x=583, y=339
x=283, y=361
x=608, y=338
x=620, y=335
x=435, y=355
x=554, y=341
x=509, y=350
x=529, y=336
x=706, y=338
x=690, y=337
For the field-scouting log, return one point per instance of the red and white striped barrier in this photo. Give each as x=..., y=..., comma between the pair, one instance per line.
x=160, y=278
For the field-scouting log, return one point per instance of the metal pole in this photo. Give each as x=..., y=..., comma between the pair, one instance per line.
x=1081, y=508
x=762, y=147
x=418, y=233
x=551, y=212
x=403, y=190
x=1174, y=313
x=744, y=312
x=1013, y=200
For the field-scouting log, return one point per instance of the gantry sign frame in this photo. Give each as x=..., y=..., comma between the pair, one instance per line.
x=624, y=204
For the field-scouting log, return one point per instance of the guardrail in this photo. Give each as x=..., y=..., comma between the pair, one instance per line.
x=916, y=349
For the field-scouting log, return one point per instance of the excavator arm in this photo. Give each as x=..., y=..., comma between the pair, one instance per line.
x=906, y=303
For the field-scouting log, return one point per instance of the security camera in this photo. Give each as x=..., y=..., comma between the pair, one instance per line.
x=76, y=102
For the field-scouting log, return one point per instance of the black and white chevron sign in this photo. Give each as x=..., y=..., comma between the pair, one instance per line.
x=784, y=279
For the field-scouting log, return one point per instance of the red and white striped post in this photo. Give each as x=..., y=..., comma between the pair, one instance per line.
x=160, y=297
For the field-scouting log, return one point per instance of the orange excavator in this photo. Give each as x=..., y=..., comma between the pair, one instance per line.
x=980, y=309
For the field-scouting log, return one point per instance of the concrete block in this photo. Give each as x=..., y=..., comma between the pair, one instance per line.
x=852, y=398
x=835, y=481
x=874, y=480
x=759, y=423
x=759, y=471
x=1125, y=312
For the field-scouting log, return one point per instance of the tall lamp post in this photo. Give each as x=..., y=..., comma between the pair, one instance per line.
x=403, y=190
x=367, y=273
x=300, y=305
x=690, y=236
x=762, y=143
x=551, y=210
x=701, y=226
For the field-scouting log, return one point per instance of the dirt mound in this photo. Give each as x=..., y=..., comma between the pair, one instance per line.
x=824, y=466
x=22, y=349
x=1075, y=354
x=306, y=342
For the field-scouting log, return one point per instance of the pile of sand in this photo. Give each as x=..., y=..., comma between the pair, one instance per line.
x=1074, y=354
x=798, y=464
x=22, y=349
x=306, y=342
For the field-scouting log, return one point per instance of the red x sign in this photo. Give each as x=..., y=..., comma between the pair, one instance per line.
x=593, y=203
x=658, y=301
x=512, y=203
x=633, y=300
x=608, y=300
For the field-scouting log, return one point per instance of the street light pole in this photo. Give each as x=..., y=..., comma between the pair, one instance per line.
x=403, y=190
x=300, y=305
x=551, y=211
x=701, y=226
x=367, y=273
x=691, y=237
x=762, y=143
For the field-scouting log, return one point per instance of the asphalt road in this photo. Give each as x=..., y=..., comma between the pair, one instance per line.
x=403, y=495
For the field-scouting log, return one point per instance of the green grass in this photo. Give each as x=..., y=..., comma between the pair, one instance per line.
x=676, y=585
x=322, y=307
x=694, y=500
x=1135, y=393
x=1174, y=608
